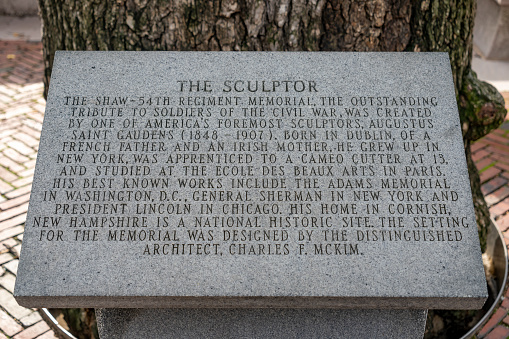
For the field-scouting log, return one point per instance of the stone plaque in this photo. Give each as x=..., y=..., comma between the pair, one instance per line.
x=251, y=180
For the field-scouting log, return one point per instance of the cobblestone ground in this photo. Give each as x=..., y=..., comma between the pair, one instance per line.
x=21, y=115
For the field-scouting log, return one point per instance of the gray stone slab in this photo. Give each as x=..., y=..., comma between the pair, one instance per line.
x=333, y=180
x=259, y=323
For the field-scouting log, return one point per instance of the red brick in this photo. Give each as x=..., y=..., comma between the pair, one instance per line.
x=28, y=173
x=479, y=155
x=7, y=281
x=19, y=191
x=502, y=166
x=5, y=187
x=506, y=320
x=18, y=220
x=11, y=306
x=500, y=147
x=478, y=145
x=489, y=173
x=491, y=199
x=9, y=325
x=500, y=332
x=36, y=116
x=499, y=132
x=33, y=331
x=22, y=182
x=14, y=202
x=11, y=232
x=12, y=165
x=5, y=257
x=26, y=139
x=12, y=212
x=493, y=184
x=484, y=163
x=497, y=154
x=48, y=335
x=20, y=147
x=503, y=224
x=31, y=132
x=14, y=155
x=500, y=314
x=8, y=243
x=497, y=139
x=7, y=175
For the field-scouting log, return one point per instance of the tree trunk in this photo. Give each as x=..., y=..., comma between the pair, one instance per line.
x=287, y=25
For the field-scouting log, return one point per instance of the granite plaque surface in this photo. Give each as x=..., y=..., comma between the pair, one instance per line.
x=260, y=323
x=251, y=180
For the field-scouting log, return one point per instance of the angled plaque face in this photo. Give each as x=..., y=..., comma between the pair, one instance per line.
x=251, y=180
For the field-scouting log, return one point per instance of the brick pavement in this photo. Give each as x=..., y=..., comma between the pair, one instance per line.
x=491, y=155
x=21, y=115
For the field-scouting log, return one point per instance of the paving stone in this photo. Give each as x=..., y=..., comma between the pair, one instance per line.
x=35, y=134
x=10, y=164
x=48, y=335
x=7, y=175
x=14, y=202
x=477, y=156
x=5, y=187
x=12, y=154
x=5, y=257
x=26, y=139
x=500, y=332
x=12, y=266
x=19, y=191
x=8, y=325
x=31, y=319
x=478, y=145
x=12, y=212
x=497, y=317
x=33, y=331
x=497, y=139
x=21, y=147
x=7, y=281
x=493, y=184
x=22, y=182
x=502, y=166
x=503, y=225
x=16, y=250
x=500, y=208
x=489, y=173
x=8, y=244
x=17, y=220
x=11, y=306
x=497, y=196
x=484, y=163
x=28, y=173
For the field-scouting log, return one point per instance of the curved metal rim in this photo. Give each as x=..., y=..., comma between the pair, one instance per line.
x=488, y=314
x=46, y=314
